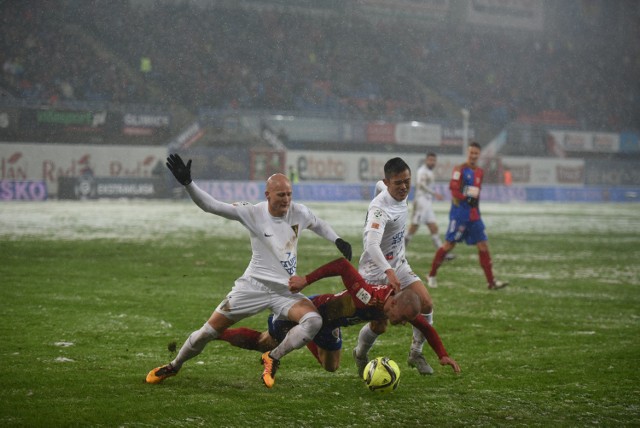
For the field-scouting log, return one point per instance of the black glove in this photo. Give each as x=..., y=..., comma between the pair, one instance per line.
x=180, y=171
x=473, y=202
x=344, y=247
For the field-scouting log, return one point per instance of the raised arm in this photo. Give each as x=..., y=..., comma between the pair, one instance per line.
x=206, y=202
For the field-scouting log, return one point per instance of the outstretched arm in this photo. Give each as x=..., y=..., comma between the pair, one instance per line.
x=435, y=342
x=206, y=202
x=322, y=228
x=363, y=294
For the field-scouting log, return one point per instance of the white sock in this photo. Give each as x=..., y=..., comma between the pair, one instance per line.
x=298, y=336
x=437, y=242
x=194, y=344
x=366, y=339
x=418, y=338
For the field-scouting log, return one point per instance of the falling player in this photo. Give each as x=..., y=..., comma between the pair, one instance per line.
x=358, y=303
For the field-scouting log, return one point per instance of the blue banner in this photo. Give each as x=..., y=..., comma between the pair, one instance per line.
x=253, y=191
x=23, y=190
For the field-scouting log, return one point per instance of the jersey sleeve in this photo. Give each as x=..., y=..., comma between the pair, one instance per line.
x=431, y=335
x=318, y=225
x=360, y=291
x=374, y=230
x=208, y=203
x=455, y=185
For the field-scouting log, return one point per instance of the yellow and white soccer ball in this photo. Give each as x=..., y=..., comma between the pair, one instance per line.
x=381, y=374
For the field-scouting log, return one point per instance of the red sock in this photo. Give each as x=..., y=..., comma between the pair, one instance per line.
x=314, y=350
x=437, y=261
x=485, y=262
x=241, y=337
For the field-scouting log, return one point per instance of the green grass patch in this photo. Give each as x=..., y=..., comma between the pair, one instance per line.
x=84, y=320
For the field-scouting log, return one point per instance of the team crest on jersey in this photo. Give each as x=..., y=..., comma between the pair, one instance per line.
x=389, y=256
x=363, y=295
x=397, y=238
x=295, y=229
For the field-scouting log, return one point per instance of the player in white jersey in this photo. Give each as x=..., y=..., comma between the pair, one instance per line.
x=274, y=226
x=383, y=260
x=423, y=203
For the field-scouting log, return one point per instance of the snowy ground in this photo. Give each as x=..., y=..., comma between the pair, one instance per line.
x=150, y=220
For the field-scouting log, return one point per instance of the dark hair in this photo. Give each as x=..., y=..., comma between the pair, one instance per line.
x=476, y=145
x=395, y=166
x=432, y=154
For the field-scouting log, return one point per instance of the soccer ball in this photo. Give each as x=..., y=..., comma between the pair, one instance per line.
x=381, y=375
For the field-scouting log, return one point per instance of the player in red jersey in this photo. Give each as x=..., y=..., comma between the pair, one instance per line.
x=465, y=222
x=360, y=302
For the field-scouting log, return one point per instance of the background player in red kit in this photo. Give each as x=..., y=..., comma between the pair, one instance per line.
x=465, y=222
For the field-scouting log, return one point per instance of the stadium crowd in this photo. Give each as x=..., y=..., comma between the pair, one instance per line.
x=324, y=62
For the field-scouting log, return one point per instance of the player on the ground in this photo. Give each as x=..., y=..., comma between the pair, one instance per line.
x=274, y=226
x=465, y=222
x=358, y=303
x=423, y=203
x=383, y=260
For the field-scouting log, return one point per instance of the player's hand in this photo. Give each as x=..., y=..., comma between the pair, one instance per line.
x=473, y=191
x=180, y=171
x=393, y=280
x=473, y=202
x=297, y=283
x=448, y=361
x=344, y=247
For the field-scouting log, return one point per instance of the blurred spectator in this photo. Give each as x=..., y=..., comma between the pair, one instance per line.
x=286, y=59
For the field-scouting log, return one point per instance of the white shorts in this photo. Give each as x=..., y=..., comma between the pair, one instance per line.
x=250, y=296
x=403, y=272
x=423, y=212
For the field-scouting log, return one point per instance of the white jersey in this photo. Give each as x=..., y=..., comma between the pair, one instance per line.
x=425, y=179
x=274, y=240
x=383, y=237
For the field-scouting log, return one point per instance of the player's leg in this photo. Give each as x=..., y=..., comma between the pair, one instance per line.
x=435, y=235
x=330, y=360
x=248, y=300
x=415, y=224
x=192, y=347
x=438, y=259
x=366, y=338
x=328, y=347
x=478, y=237
x=250, y=339
x=413, y=228
x=455, y=233
x=309, y=323
x=416, y=358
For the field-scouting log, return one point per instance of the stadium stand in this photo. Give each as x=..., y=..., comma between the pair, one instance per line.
x=328, y=61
